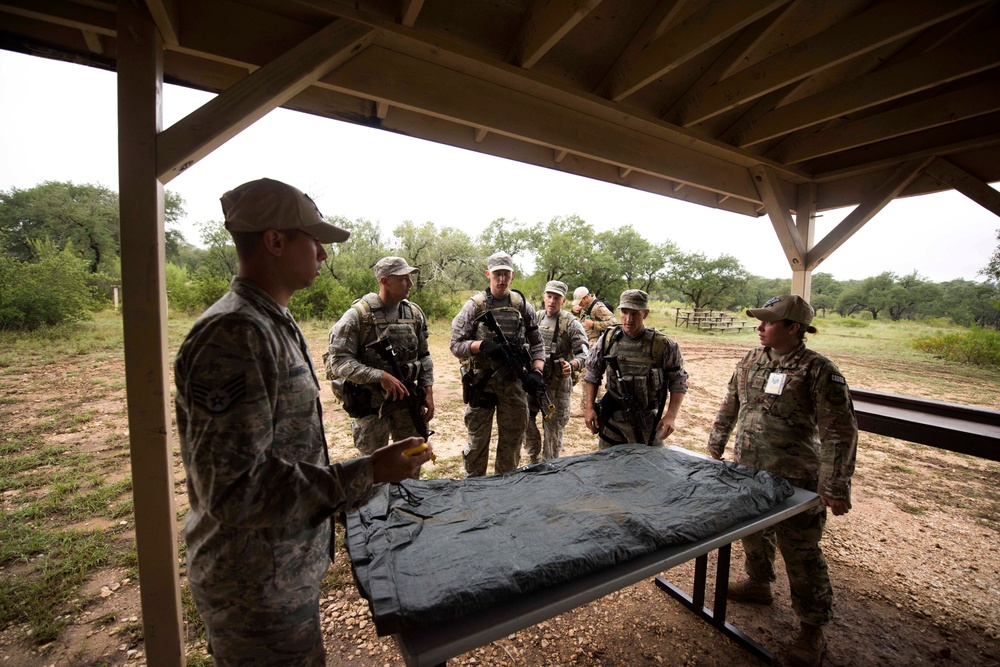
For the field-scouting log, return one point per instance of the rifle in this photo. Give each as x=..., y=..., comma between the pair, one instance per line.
x=516, y=358
x=416, y=395
x=634, y=413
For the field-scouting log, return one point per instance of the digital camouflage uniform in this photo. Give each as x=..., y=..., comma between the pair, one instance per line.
x=259, y=481
x=570, y=344
x=603, y=319
x=349, y=358
x=511, y=407
x=807, y=434
x=648, y=363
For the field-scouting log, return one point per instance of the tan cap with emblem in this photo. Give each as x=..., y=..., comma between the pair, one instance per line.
x=785, y=307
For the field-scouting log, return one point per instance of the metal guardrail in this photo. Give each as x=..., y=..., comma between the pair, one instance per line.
x=951, y=426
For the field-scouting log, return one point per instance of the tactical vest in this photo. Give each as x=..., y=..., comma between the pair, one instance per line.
x=513, y=323
x=641, y=363
x=403, y=333
x=556, y=340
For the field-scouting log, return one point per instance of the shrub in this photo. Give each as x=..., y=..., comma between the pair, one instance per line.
x=979, y=347
x=182, y=294
x=850, y=323
x=52, y=290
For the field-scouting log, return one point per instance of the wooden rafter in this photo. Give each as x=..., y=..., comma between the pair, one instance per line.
x=702, y=30
x=226, y=115
x=68, y=14
x=547, y=23
x=409, y=10
x=922, y=72
x=664, y=12
x=867, y=31
x=929, y=113
x=165, y=16
x=865, y=211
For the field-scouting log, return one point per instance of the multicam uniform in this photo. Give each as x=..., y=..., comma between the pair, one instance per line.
x=350, y=359
x=807, y=434
x=564, y=336
x=603, y=319
x=649, y=363
x=503, y=392
x=259, y=481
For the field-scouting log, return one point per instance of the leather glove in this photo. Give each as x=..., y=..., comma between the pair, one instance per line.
x=533, y=383
x=492, y=350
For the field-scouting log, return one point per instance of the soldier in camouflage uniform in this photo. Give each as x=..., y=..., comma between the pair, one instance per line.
x=793, y=416
x=652, y=368
x=259, y=480
x=565, y=352
x=490, y=386
x=388, y=314
x=596, y=318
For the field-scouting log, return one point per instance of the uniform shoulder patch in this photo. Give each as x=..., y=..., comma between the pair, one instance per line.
x=839, y=379
x=218, y=398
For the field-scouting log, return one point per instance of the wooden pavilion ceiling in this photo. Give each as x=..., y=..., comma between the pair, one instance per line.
x=706, y=101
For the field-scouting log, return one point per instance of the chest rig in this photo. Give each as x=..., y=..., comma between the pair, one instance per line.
x=513, y=321
x=641, y=363
x=403, y=332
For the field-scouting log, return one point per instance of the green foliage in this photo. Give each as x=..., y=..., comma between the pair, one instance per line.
x=850, y=323
x=992, y=270
x=979, y=347
x=219, y=261
x=326, y=299
x=48, y=291
x=707, y=282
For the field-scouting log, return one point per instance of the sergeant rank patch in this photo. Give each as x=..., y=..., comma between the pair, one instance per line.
x=219, y=398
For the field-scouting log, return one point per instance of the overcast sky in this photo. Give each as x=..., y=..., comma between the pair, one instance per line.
x=58, y=122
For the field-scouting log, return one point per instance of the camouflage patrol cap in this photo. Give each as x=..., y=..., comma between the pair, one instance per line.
x=635, y=299
x=579, y=294
x=394, y=266
x=499, y=261
x=556, y=287
x=785, y=307
x=269, y=204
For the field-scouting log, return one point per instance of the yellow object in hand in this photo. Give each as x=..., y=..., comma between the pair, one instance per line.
x=419, y=449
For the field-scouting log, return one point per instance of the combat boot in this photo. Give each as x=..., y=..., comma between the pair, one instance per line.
x=808, y=648
x=751, y=590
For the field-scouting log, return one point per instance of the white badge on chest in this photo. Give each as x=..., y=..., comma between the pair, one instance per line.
x=775, y=383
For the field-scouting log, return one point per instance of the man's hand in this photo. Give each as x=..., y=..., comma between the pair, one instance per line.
x=390, y=464
x=576, y=310
x=534, y=382
x=394, y=389
x=567, y=367
x=665, y=427
x=429, y=404
x=589, y=324
x=590, y=419
x=492, y=350
x=838, y=507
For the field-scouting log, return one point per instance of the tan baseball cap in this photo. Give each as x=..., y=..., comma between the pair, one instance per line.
x=785, y=307
x=556, y=287
x=269, y=204
x=579, y=294
x=393, y=266
x=635, y=299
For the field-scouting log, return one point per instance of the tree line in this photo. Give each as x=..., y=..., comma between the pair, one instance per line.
x=60, y=257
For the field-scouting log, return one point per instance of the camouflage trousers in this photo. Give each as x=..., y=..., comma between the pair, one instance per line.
x=372, y=432
x=798, y=539
x=511, y=412
x=539, y=448
x=610, y=438
x=241, y=634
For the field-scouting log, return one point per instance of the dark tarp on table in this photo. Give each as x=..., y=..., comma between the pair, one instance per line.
x=444, y=548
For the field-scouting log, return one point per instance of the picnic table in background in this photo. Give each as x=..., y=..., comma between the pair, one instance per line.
x=708, y=319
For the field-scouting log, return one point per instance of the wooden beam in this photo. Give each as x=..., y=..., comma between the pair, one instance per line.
x=924, y=71
x=778, y=210
x=93, y=41
x=548, y=22
x=68, y=14
x=433, y=89
x=925, y=114
x=481, y=134
x=865, y=211
x=734, y=54
x=623, y=172
x=662, y=15
x=883, y=23
x=559, y=156
x=147, y=377
x=713, y=23
x=805, y=223
x=225, y=116
x=975, y=189
x=409, y=11
x=165, y=15
x=381, y=110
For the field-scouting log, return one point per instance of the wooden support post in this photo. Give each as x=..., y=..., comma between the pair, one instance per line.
x=805, y=223
x=140, y=83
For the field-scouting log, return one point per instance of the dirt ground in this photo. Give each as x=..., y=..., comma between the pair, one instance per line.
x=915, y=565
